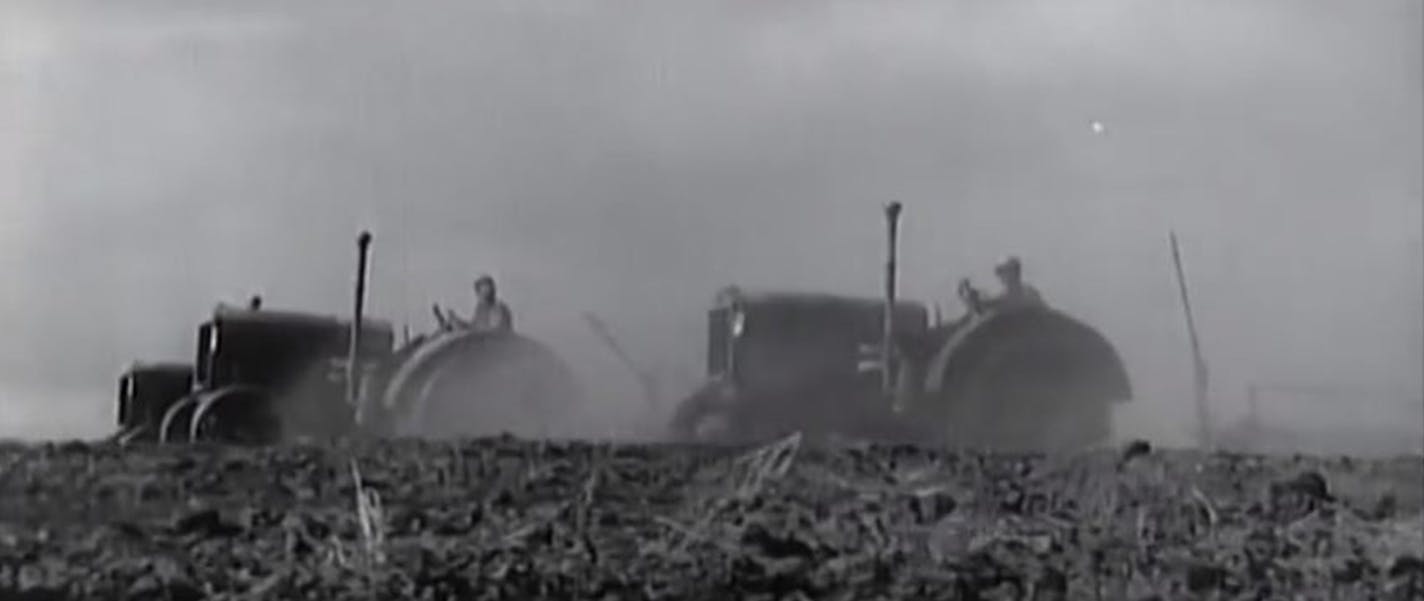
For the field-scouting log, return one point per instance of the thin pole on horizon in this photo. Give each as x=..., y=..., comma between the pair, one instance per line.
x=1199, y=370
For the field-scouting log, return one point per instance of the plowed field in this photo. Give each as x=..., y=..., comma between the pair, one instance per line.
x=510, y=519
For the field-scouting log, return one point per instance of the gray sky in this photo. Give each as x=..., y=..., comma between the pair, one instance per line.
x=630, y=158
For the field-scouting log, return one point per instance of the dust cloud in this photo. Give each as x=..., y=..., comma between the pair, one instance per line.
x=628, y=159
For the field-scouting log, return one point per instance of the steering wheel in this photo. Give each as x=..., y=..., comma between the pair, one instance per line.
x=441, y=320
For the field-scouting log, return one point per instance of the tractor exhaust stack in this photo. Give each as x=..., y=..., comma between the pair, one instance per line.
x=892, y=224
x=353, y=372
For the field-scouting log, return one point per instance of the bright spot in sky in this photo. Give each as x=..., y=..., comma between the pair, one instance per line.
x=1097, y=127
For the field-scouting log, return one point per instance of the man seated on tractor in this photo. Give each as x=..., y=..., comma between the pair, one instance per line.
x=1016, y=294
x=490, y=315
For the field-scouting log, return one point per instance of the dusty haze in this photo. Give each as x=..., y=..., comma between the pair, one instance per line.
x=630, y=158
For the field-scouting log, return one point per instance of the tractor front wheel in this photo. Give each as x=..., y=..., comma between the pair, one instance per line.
x=136, y=434
x=174, y=427
x=237, y=415
x=707, y=416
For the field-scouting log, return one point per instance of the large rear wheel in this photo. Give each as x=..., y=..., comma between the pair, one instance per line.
x=1025, y=380
x=465, y=384
x=1029, y=400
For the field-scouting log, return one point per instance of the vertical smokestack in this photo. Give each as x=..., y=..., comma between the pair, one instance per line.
x=892, y=224
x=353, y=383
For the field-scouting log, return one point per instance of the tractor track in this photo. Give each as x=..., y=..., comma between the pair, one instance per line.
x=502, y=518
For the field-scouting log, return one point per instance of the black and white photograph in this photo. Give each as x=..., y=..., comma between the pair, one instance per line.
x=960, y=300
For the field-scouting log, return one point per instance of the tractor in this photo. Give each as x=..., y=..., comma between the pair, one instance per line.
x=146, y=391
x=264, y=376
x=1028, y=378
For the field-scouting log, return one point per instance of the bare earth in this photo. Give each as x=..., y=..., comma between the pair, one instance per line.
x=508, y=519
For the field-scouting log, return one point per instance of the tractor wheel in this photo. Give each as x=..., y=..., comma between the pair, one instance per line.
x=237, y=415
x=1026, y=402
x=475, y=397
x=691, y=411
x=1071, y=416
x=174, y=427
x=706, y=426
x=467, y=384
x=136, y=434
x=1080, y=424
x=981, y=420
x=707, y=416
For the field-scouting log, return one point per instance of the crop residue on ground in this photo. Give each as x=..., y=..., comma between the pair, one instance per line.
x=511, y=519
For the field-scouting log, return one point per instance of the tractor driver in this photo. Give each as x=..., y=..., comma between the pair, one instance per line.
x=491, y=314
x=1016, y=294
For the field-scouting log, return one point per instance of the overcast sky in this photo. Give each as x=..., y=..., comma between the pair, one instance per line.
x=629, y=158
